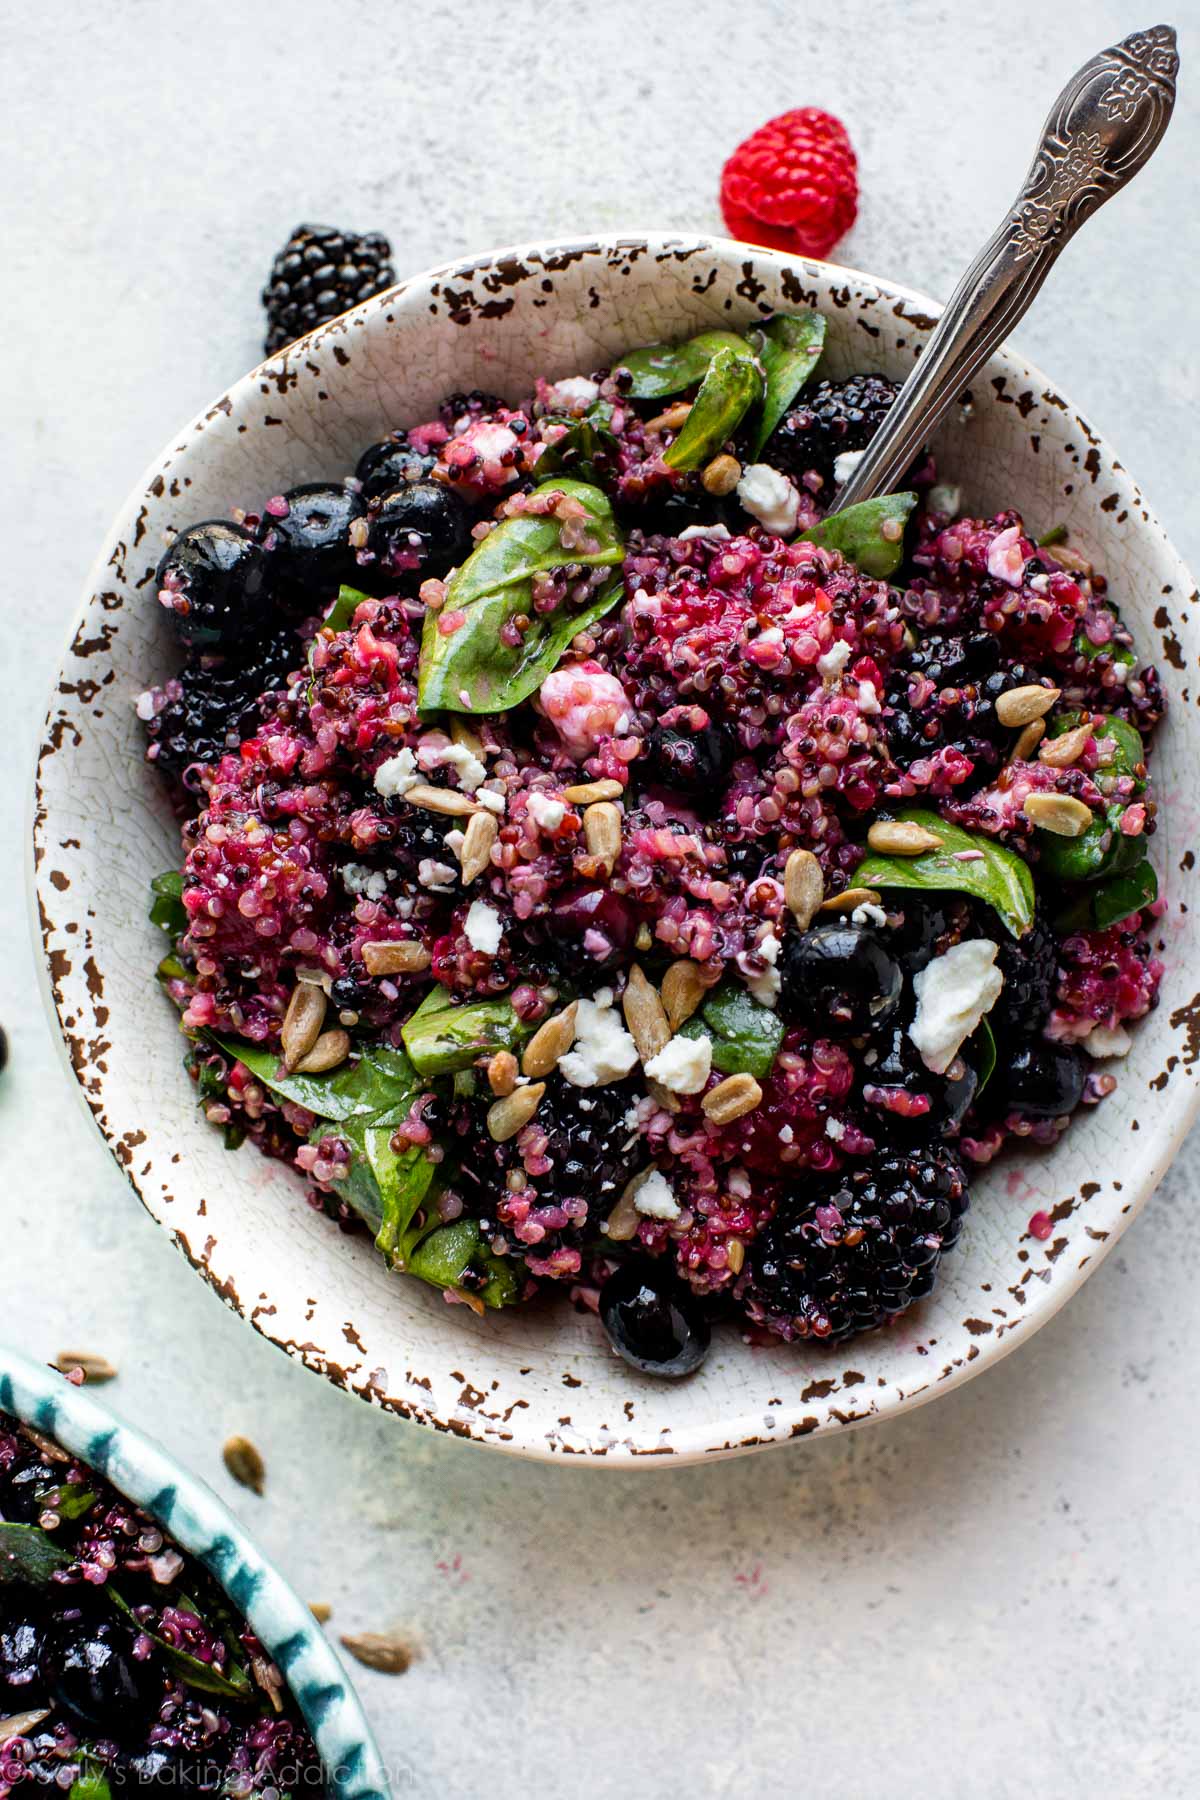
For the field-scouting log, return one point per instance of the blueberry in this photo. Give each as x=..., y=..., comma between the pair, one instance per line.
x=696, y=762
x=840, y=979
x=653, y=1321
x=164, y=1767
x=21, y=1642
x=310, y=546
x=391, y=464
x=1039, y=1080
x=89, y=1666
x=419, y=530
x=927, y=927
x=596, y=911
x=898, y=1065
x=212, y=581
x=20, y=1502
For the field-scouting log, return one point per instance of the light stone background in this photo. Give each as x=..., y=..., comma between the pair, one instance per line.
x=993, y=1596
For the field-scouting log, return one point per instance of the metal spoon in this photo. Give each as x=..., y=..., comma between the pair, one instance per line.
x=1102, y=129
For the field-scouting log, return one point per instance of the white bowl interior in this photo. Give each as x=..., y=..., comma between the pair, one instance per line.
x=542, y=1382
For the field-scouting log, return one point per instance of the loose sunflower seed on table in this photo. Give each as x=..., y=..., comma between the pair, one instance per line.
x=93, y=1368
x=386, y=1651
x=244, y=1462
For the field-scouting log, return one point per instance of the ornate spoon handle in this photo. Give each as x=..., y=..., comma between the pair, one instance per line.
x=1103, y=127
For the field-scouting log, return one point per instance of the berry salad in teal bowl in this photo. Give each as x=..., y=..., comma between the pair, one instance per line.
x=641, y=901
x=145, y=1645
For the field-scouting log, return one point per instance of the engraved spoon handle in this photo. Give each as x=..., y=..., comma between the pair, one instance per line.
x=1103, y=127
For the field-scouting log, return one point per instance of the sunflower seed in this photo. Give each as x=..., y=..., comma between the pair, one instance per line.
x=408, y=957
x=1020, y=705
x=897, y=837
x=1071, y=559
x=1029, y=740
x=803, y=886
x=95, y=1368
x=736, y=1095
x=21, y=1724
x=602, y=832
x=321, y=1611
x=1061, y=752
x=461, y=733
x=1061, y=814
x=244, y=1462
x=721, y=475
x=735, y=1254
x=502, y=1072
x=622, y=1222
x=584, y=792
x=671, y=419
x=302, y=1022
x=386, y=1651
x=847, y=901
x=475, y=852
x=441, y=800
x=662, y=1096
x=550, y=1042
x=682, y=991
x=330, y=1049
x=644, y=1015
x=511, y=1114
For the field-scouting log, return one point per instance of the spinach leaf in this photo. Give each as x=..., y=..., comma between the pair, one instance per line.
x=587, y=448
x=1057, y=534
x=91, y=1783
x=29, y=1554
x=1127, y=755
x=662, y=369
x=745, y=1036
x=68, y=1500
x=870, y=535
x=1101, y=851
x=234, y=1684
x=1120, y=653
x=380, y=1080
x=384, y=1186
x=167, y=910
x=730, y=388
x=991, y=872
x=447, y=1038
x=1110, y=902
x=788, y=347
x=472, y=669
x=337, y=618
x=451, y=1252
x=170, y=969
x=985, y=1053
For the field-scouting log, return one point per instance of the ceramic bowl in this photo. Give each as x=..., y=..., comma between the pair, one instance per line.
x=542, y=1382
x=184, y=1506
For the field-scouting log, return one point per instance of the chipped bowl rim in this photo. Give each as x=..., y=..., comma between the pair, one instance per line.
x=721, y=1436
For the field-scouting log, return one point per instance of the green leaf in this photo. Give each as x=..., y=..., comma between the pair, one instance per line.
x=29, y=1554
x=995, y=873
x=870, y=535
x=587, y=448
x=662, y=369
x=471, y=669
x=381, y=1079
x=1128, y=753
x=69, y=1500
x=1120, y=653
x=1110, y=902
x=789, y=347
x=167, y=910
x=730, y=388
x=234, y=1685
x=1057, y=534
x=342, y=612
x=985, y=1041
x=1098, y=853
x=450, y=1252
x=448, y=1038
x=745, y=1036
x=91, y=1783
x=171, y=969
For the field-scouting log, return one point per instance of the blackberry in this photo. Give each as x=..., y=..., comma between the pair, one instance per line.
x=928, y=926
x=586, y=1146
x=215, y=703
x=1029, y=965
x=212, y=581
x=858, y=1250
x=319, y=273
x=944, y=698
x=834, y=417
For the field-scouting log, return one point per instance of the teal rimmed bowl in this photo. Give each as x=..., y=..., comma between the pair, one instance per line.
x=183, y=1505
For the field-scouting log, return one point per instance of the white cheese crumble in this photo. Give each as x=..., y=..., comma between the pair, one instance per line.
x=483, y=928
x=834, y=1130
x=490, y=798
x=953, y=993
x=459, y=757
x=361, y=880
x=868, y=914
x=770, y=498
x=683, y=1065
x=765, y=987
x=1108, y=1040
x=574, y=390
x=946, y=499
x=834, y=659
x=546, y=812
x=603, y=1050
x=439, y=877
x=396, y=775
x=702, y=531
x=868, y=699
x=145, y=705
x=845, y=465
x=655, y=1199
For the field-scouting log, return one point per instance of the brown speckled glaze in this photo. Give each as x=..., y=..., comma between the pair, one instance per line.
x=541, y=1382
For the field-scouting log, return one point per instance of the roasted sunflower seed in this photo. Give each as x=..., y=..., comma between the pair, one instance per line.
x=584, y=792
x=509, y=1115
x=899, y=837
x=1061, y=752
x=244, y=1462
x=406, y=957
x=803, y=886
x=644, y=1015
x=1023, y=704
x=549, y=1043
x=736, y=1095
x=302, y=1022
x=602, y=832
x=1061, y=814
x=386, y=1651
x=95, y=1368
x=330, y=1049
x=475, y=852
x=682, y=991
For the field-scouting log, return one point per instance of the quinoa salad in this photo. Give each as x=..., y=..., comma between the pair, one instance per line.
x=609, y=870
x=123, y=1666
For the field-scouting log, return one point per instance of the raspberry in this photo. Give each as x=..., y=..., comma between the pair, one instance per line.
x=793, y=184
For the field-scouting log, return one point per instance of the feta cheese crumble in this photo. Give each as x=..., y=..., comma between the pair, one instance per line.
x=953, y=993
x=461, y=758
x=603, y=1050
x=1108, y=1040
x=683, y=1065
x=546, y=812
x=655, y=1198
x=845, y=464
x=395, y=776
x=483, y=928
x=702, y=531
x=358, y=879
x=766, y=987
x=834, y=660
x=770, y=498
x=574, y=391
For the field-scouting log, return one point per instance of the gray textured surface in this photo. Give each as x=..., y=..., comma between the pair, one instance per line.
x=992, y=1594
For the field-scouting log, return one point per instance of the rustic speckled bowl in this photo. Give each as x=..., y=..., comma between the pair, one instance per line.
x=542, y=1382
x=185, y=1506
